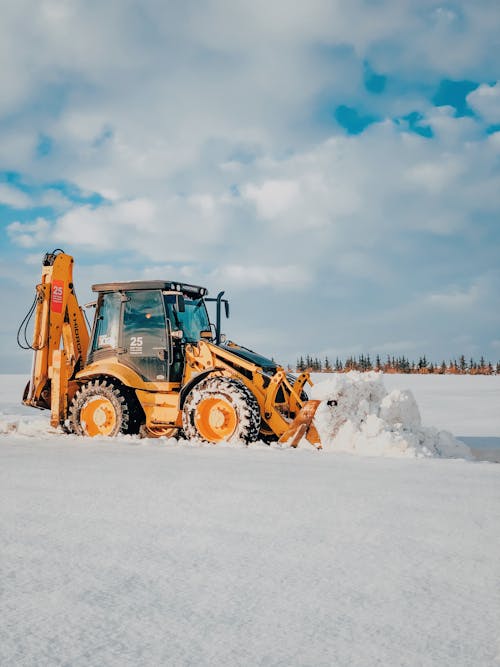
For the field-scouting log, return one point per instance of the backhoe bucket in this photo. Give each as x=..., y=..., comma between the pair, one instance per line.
x=302, y=426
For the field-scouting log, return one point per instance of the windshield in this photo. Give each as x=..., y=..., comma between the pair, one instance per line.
x=192, y=321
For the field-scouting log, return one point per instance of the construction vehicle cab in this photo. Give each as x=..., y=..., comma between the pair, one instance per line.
x=154, y=364
x=146, y=326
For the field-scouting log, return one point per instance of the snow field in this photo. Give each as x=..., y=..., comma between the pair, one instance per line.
x=125, y=554
x=155, y=552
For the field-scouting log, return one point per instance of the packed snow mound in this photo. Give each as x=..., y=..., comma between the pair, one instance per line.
x=357, y=414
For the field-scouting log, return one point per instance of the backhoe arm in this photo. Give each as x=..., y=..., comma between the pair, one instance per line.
x=60, y=337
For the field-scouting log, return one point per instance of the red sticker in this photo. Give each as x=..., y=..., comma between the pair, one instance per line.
x=57, y=296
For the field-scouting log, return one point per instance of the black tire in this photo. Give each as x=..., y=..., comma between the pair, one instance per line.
x=238, y=399
x=114, y=414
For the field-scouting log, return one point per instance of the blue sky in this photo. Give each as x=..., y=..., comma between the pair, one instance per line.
x=334, y=167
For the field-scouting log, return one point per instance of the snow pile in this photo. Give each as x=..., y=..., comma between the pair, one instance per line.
x=25, y=425
x=357, y=414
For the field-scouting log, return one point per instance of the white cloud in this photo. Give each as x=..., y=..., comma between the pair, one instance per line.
x=477, y=295
x=435, y=176
x=171, y=271
x=335, y=204
x=255, y=277
x=29, y=234
x=272, y=198
x=107, y=227
x=143, y=86
x=33, y=259
x=55, y=199
x=494, y=140
x=454, y=299
x=362, y=265
x=13, y=197
x=486, y=101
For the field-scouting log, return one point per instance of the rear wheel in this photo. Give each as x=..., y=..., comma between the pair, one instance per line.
x=100, y=408
x=221, y=408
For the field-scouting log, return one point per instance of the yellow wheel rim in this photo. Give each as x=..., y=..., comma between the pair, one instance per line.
x=98, y=416
x=215, y=419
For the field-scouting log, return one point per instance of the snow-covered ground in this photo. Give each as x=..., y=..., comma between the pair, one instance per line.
x=132, y=552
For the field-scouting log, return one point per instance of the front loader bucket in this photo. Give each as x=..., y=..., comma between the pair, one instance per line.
x=302, y=426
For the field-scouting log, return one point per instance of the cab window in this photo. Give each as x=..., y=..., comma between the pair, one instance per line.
x=144, y=333
x=192, y=321
x=108, y=322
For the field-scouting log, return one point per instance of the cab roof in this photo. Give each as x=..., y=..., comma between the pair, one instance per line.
x=193, y=291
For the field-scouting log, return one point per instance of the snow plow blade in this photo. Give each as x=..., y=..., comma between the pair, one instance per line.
x=302, y=427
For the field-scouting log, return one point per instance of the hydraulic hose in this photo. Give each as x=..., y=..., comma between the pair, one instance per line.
x=22, y=332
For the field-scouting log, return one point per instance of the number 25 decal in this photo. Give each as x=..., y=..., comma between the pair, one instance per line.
x=136, y=341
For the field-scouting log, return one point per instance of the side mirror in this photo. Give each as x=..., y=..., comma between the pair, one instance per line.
x=226, y=308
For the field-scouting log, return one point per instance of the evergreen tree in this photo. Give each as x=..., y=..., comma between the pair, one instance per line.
x=316, y=365
x=393, y=364
x=361, y=362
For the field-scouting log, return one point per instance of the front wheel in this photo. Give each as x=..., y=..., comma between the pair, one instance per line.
x=221, y=408
x=99, y=408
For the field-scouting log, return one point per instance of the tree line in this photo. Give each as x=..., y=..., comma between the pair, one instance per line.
x=402, y=364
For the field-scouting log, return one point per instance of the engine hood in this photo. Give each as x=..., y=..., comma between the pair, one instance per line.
x=267, y=365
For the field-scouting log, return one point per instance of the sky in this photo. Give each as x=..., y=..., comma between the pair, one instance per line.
x=334, y=166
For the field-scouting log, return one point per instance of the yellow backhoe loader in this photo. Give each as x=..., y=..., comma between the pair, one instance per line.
x=153, y=364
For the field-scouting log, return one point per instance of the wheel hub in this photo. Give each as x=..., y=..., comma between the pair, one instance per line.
x=98, y=416
x=216, y=419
